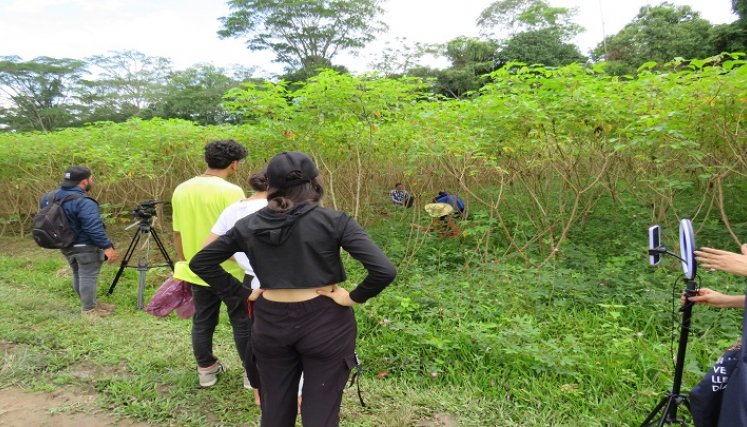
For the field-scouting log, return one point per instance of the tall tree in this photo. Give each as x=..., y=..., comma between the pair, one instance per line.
x=540, y=47
x=740, y=8
x=38, y=94
x=658, y=33
x=197, y=94
x=506, y=18
x=532, y=31
x=303, y=33
x=127, y=83
x=398, y=58
x=470, y=58
x=735, y=36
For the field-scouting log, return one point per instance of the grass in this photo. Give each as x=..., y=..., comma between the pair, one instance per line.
x=585, y=341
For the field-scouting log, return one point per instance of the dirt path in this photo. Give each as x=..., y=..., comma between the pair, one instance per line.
x=61, y=408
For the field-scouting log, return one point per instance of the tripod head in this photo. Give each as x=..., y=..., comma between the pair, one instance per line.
x=146, y=210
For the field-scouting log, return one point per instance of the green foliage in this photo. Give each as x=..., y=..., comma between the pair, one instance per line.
x=36, y=92
x=728, y=37
x=197, y=94
x=516, y=16
x=470, y=58
x=740, y=8
x=540, y=47
x=542, y=302
x=303, y=33
x=658, y=33
x=127, y=84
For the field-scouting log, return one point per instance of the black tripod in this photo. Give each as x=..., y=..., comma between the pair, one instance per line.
x=144, y=227
x=674, y=398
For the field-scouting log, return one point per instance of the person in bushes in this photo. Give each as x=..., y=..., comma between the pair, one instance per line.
x=303, y=319
x=452, y=200
x=443, y=221
x=196, y=205
x=91, y=246
x=401, y=197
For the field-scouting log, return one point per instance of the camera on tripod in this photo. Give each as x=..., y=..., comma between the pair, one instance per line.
x=144, y=214
x=146, y=210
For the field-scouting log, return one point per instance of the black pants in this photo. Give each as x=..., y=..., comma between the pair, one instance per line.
x=207, y=311
x=316, y=337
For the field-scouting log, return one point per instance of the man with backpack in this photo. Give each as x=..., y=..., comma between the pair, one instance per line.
x=90, y=244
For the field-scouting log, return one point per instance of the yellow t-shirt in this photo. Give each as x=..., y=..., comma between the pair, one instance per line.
x=196, y=205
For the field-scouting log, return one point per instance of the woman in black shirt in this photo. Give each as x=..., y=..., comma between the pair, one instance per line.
x=294, y=247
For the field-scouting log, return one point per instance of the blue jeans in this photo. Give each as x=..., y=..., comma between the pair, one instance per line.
x=85, y=262
x=207, y=311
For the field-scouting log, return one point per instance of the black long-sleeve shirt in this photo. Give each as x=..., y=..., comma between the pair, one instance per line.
x=297, y=250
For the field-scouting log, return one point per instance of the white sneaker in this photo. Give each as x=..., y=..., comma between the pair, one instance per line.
x=247, y=384
x=209, y=376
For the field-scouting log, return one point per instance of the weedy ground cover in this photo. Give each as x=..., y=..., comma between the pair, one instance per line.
x=584, y=340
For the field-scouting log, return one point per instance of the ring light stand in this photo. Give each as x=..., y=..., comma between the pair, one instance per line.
x=666, y=409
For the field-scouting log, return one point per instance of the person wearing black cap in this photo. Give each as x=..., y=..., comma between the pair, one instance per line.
x=303, y=320
x=92, y=245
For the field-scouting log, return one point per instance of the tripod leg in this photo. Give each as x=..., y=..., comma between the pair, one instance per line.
x=655, y=411
x=161, y=248
x=142, y=268
x=125, y=260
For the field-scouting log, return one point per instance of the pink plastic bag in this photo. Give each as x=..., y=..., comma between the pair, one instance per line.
x=173, y=295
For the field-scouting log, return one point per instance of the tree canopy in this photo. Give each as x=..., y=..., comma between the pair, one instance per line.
x=510, y=17
x=303, y=33
x=532, y=31
x=658, y=33
x=36, y=92
x=540, y=47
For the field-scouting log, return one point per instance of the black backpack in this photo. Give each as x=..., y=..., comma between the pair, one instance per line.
x=51, y=229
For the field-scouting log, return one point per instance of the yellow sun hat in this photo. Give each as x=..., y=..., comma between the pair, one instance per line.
x=437, y=210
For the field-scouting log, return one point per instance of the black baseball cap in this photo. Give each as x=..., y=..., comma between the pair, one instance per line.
x=74, y=175
x=289, y=169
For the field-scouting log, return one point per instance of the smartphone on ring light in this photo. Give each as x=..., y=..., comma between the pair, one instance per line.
x=654, y=242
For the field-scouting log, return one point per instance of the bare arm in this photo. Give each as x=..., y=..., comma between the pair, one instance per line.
x=178, y=246
x=717, y=299
x=730, y=262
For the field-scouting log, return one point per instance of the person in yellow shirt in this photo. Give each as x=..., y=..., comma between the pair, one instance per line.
x=196, y=205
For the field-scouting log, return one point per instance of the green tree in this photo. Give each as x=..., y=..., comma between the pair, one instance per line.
x=734, y=37
x=313, y=67
x=38, y=94
x=471, y=59
x=197, y=94
x=398, y=58
x=507, y=18
x=127, y=84
x=730, y=37
x=540, y=47
x=658, y=33
x=532, y=31
x=740, y=8
x=303, y=33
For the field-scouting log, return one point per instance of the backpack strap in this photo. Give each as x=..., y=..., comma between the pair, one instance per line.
x=52, y=195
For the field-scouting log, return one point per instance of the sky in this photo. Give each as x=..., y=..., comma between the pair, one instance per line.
x=185, y=31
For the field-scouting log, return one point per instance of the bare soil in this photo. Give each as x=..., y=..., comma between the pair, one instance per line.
x=65, y=407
